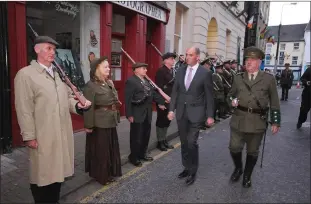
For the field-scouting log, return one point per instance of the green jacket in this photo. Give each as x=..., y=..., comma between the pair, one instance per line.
x=101, y=95
x=265, y=90
x=219, y=87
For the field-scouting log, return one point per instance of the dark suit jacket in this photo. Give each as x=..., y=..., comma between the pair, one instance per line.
x=198, y=100
x=134, y=90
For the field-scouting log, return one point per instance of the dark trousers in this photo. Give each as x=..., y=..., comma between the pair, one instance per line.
x=219, y=106
x=139, y=139
x=305, y=106
x=189, y=133
x=285, y=92
x=46, y=194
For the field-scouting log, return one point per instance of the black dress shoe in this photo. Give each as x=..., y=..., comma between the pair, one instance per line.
x=167, y=145
x=161, y=146
x=146, y=158
x=183, y=174
x=136, y=163
x=190, y=180
x=298, y=126
x=247, y=182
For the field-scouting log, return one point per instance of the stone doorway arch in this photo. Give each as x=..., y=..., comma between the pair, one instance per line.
x=212, y=37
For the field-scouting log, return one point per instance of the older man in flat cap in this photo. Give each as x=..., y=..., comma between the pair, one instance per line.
x=165, y=78
x=43, y=104
x=139, y=95
x=253, y=94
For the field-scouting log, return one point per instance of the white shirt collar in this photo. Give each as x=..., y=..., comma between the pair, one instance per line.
x=255, y=74
x=48, y=68
x=195, y=67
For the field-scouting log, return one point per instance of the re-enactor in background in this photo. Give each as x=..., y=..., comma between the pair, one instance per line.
x=192, y=98
x=165, y=80
x=253, y=94
x=139, y=95
x=43, y=104
x=102, y=154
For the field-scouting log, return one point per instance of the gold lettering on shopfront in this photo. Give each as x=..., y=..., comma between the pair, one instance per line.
x=144, y=8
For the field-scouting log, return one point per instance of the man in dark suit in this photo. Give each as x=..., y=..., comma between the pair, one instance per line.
x=192, y=97
x=139, y=95
x=286, y=81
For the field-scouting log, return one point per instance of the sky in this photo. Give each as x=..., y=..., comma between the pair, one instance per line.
x=292, y=14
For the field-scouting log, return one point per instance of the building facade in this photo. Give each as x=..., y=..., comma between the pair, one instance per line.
x=211, y=26
x=291, y=50
x=81, y=28
x=306, y=58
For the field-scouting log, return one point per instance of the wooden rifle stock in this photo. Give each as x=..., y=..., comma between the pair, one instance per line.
x=164, y=95
x=64, y=77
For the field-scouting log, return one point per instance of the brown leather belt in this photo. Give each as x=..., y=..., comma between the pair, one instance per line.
x=249, y=110
x=113, y=107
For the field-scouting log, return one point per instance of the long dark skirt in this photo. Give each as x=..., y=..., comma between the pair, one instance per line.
x=102, y=154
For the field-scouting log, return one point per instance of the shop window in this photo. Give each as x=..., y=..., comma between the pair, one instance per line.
x=118, y=24
x=116, y=59
x=61, y=21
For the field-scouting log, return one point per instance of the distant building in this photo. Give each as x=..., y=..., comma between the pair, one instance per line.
x=306, y=58
x=291, y=50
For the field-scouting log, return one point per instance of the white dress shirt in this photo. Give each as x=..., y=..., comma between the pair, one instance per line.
x=48, y=69
x=250, y=75
x=194, y=70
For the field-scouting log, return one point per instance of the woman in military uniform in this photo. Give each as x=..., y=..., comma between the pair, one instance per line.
x=102, y=155
x=253, y=94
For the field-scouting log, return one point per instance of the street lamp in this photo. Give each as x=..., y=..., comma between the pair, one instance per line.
x=279, y=33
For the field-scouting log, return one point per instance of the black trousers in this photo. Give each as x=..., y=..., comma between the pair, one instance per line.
x=305, y=106
x=46, y=194
x=189, y=133
x=219, y=106
x=139, y=139
x=285, y=92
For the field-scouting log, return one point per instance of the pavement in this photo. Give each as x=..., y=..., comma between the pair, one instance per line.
x=284, y=177
x=14, y=166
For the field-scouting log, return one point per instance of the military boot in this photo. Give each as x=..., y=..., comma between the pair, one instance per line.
x=238, y=171
x=248, y=170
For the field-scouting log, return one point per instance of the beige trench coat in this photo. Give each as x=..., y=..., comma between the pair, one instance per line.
x=43, y=107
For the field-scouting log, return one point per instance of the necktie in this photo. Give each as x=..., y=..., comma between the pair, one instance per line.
x=189, y=78
x=252, y=77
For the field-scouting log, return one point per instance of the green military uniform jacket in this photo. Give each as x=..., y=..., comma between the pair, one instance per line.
x=219, y=93
x=265, y=89
x=101, y=95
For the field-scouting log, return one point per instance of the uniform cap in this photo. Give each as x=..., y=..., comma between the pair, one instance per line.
x=254, y=52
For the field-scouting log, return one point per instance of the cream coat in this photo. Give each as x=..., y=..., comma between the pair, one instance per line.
x=43, y=107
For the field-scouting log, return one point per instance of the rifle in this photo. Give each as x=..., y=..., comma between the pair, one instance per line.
x=64, y=77
x=164, y=95
x=159, y=52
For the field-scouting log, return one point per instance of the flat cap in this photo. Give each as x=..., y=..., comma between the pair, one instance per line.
x=45, y=39
x=139, y=64
x=218, y=65
x=287, y=64
x=254, y=52
x=168, y=55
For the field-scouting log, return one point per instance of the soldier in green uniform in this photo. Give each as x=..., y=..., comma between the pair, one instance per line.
x=253, y=94
x=227, y=81
x=219, y=94
x=234, y=67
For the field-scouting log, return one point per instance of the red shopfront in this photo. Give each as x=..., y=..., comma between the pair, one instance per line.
x=130, y=25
